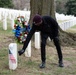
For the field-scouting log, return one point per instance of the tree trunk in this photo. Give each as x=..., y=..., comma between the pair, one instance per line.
x=47, y=7
x=42, y=7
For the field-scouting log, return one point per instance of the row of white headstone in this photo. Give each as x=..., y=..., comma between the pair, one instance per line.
x=67, y=21
x=67, y=24
x=64, y=17
x=64, y=25
x=12, y=14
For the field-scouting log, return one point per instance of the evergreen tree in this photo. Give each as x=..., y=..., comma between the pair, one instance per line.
x=71, y=7
x=60, y=6
x=6, y=3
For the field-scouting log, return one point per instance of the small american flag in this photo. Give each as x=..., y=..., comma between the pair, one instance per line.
x=11, y=57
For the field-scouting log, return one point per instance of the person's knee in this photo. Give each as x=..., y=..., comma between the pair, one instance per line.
x=56, y=41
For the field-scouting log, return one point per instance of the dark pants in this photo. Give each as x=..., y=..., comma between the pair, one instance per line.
x=43, y=45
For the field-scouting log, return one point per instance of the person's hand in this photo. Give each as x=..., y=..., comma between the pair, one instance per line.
x=21, y=52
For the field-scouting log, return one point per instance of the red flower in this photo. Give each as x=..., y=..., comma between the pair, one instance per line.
x=22, y=16
x=19, y=20
x=19, y=38
x=21, y=34
x=24, y=23
x=26, y=33
x=14, y=25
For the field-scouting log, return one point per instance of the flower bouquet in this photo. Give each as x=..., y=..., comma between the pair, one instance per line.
x=21, y=29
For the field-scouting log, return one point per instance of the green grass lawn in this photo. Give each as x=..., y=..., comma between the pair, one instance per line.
x=30, y=66
x=72, y=29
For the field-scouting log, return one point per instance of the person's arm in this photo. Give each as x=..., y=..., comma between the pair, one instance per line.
x=29, y=36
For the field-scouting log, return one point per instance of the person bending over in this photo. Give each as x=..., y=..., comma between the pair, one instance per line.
x=48, y=28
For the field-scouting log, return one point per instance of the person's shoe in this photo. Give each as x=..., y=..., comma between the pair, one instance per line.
x=42, y=65
x=61, y=64
x=21, y=52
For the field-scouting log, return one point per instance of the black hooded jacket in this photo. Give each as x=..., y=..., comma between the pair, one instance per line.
x=49, y=26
